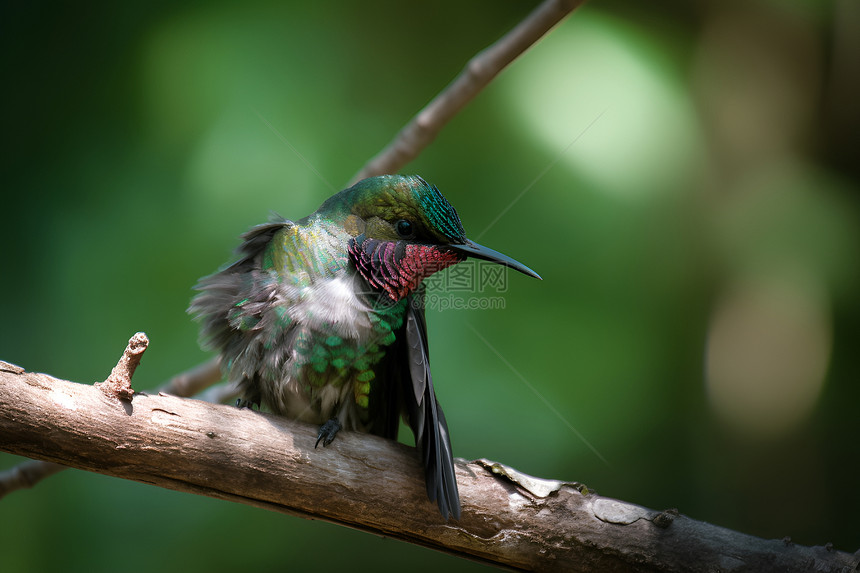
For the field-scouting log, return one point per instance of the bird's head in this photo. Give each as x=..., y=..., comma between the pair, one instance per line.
x=404, y=230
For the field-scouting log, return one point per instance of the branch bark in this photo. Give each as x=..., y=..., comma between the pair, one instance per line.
x=368, y=483
x=195, y=381
x=478, y=72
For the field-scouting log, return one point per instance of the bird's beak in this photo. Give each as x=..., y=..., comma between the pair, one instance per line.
x=471, y=249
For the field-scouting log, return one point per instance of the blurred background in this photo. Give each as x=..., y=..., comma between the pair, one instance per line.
x=684, y=176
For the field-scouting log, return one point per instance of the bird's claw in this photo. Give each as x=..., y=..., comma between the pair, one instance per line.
x=327, y=432
x=243, y=403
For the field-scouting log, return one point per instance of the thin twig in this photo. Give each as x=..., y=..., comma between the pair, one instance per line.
x=118, y=384
x=27, y=474
x=193, y=381
x=221, y=394
x=477, y=73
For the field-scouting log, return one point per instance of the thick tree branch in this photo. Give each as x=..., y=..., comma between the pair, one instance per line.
x=478, y=72
x=368, y=483
x=186, y=384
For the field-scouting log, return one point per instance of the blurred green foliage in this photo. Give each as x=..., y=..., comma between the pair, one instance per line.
x=668, y=151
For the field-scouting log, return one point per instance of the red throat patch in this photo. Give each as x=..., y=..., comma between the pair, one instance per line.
x=398, y=267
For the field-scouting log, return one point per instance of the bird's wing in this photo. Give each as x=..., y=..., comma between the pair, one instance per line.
x=235, y=306
x=425, y=415
x=255, y=240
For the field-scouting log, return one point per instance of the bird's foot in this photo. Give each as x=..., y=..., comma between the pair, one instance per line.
x=243, y=403
x=327, y=432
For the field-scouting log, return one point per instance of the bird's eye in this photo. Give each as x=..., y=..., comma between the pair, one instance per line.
x=405, y=229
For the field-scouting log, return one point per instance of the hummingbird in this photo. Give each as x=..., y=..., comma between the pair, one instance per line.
x=322, y=319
